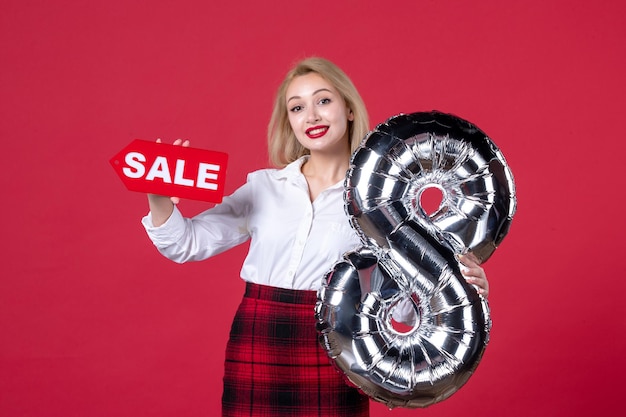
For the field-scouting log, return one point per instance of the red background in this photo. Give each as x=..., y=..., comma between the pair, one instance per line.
x=94, y=322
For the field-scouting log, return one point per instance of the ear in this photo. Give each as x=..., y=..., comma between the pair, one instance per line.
x=350, y=115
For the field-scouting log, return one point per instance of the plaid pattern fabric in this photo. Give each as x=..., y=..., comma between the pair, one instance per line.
x=275, y=365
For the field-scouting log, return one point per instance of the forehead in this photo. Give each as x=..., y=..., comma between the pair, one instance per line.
x=307, y=85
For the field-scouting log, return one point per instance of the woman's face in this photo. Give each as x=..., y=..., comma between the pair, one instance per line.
x=318, y=114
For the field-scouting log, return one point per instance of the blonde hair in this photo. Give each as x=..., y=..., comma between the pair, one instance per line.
x=283, y=147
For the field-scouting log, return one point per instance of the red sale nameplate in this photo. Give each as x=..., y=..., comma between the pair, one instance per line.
x=174, y=171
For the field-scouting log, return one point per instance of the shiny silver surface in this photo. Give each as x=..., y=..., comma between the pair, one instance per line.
x=407, y=270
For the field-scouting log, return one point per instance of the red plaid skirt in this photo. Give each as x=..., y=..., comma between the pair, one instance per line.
x=275, y=365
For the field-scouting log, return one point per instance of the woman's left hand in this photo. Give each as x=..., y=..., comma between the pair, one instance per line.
x=474, y=274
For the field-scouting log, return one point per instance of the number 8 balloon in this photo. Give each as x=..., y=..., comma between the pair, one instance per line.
x=407, y=268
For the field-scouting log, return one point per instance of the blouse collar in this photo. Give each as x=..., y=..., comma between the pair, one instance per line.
x=293, y=172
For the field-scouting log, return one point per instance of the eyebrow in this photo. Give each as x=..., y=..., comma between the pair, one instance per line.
x=314, y=93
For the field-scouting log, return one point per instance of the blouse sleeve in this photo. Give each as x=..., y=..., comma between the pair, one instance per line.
x=211, y=232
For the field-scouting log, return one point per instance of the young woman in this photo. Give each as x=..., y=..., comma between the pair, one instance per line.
x=294, y=217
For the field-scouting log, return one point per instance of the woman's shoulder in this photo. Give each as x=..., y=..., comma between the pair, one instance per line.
x=273, y=174
x=262, y=174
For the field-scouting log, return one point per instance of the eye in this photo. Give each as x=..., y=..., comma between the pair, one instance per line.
x=295, y=109
x=325, y=101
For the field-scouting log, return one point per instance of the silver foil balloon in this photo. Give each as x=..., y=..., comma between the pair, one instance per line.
x=406, y=270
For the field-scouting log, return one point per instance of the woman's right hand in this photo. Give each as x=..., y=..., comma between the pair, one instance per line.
x=184, y=144
x=161, y=207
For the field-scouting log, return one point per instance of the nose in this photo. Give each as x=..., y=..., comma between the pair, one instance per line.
x=312, y=115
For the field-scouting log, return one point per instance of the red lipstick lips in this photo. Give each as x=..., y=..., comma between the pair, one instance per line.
x=316, y=131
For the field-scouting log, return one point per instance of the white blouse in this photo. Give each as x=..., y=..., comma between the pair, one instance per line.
x=293, y=242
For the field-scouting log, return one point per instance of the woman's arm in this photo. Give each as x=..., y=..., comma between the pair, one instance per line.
x=206, y=234
x=161, y=208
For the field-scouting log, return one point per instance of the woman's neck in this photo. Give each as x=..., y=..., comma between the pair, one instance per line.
x=324, y=170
